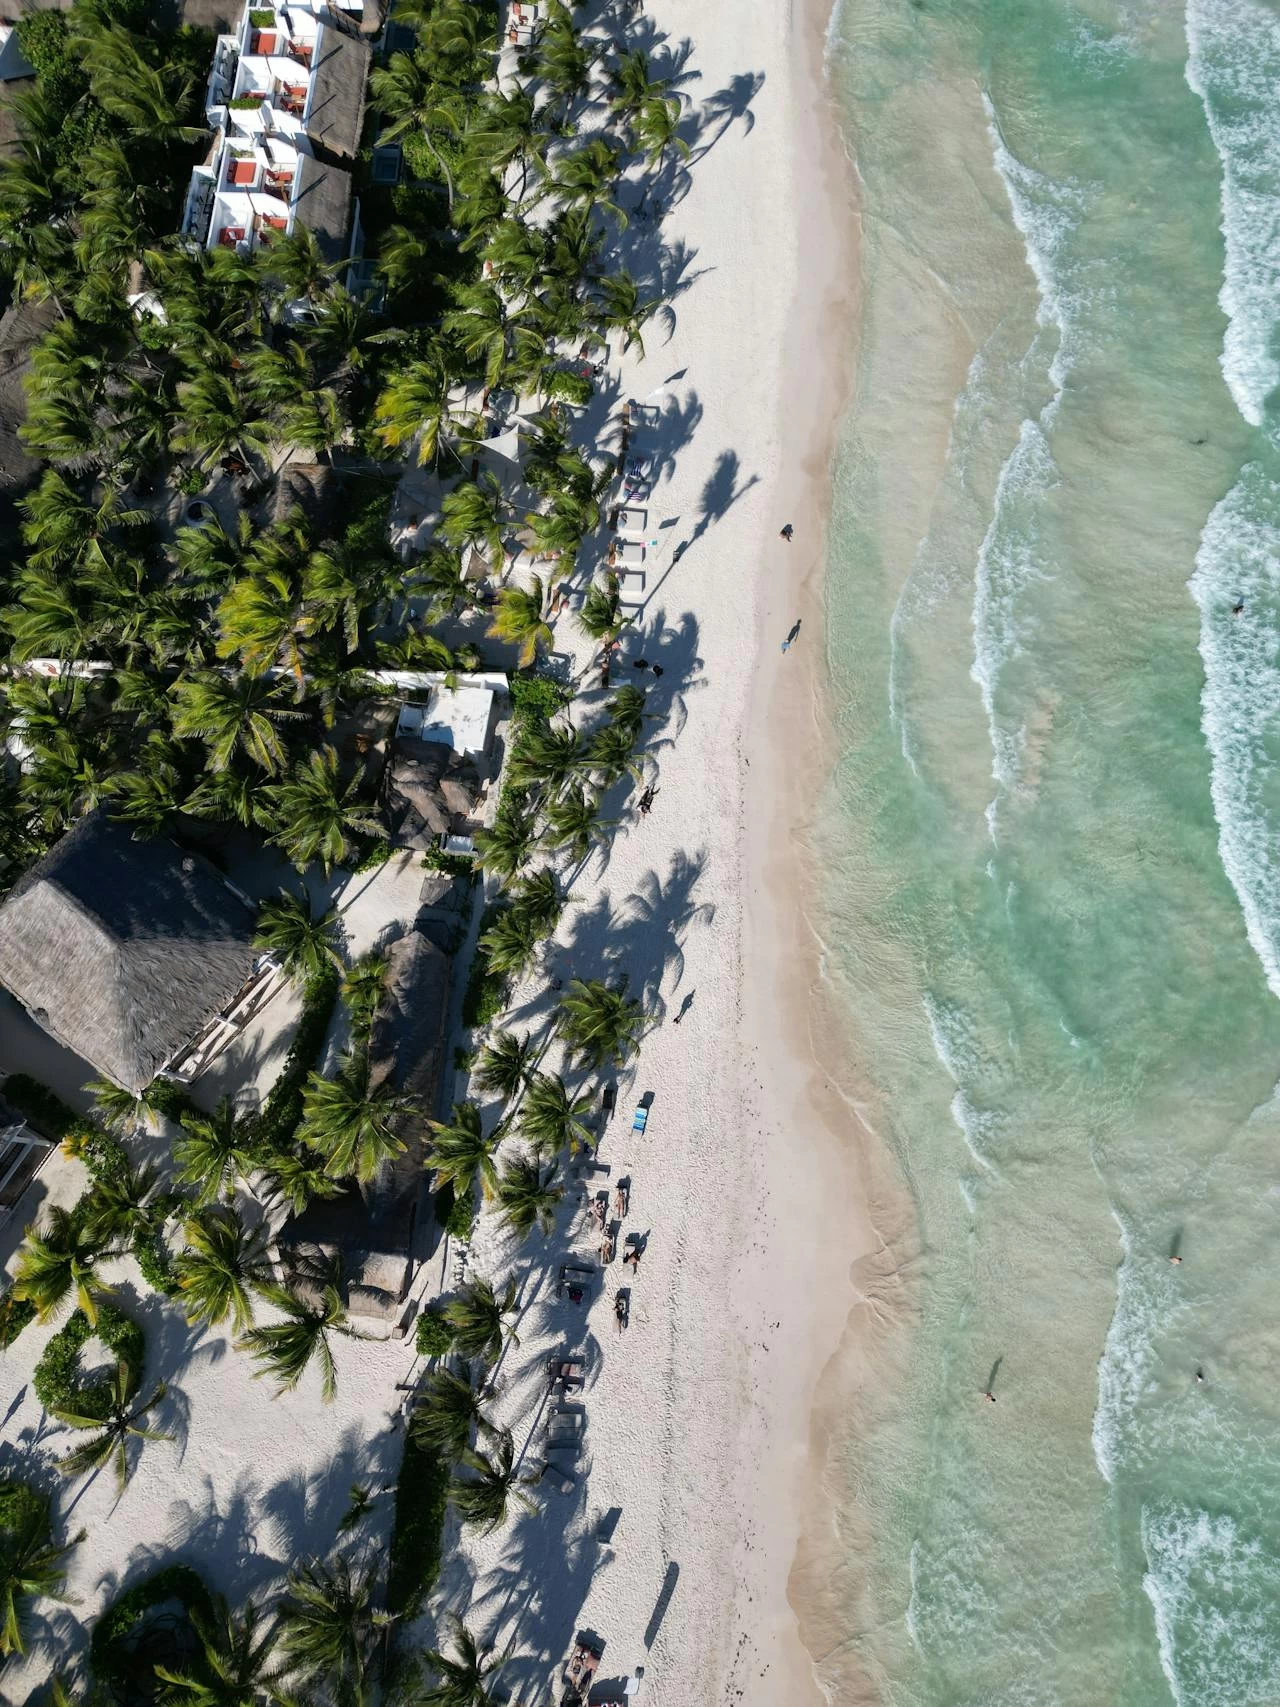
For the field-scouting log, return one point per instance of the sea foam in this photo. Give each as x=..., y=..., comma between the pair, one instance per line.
x=1047, y=214
x=1233, y=65
x=1213, y=1591
x=1238, y=560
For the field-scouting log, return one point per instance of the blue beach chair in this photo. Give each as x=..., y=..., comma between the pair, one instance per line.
x=640, y=1119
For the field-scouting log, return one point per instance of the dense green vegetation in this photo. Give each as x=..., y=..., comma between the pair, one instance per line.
x=233, y=648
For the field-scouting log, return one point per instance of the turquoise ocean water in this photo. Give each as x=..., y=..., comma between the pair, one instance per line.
x=1051, y=849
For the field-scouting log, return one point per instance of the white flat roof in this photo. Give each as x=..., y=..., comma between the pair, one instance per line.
x=455, y=717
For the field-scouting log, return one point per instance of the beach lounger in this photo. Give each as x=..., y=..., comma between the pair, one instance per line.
x=640, y=1119
x=559, y=1479
x=643, y=414
x=583, y=1664
x=568, y=1371
x=564, y=1436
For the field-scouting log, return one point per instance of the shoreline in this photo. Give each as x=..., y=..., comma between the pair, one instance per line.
x=850, y=1279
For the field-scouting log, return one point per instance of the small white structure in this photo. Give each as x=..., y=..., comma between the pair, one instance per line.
x=458, y=717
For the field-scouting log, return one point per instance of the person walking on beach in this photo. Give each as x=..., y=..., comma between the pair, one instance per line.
x=787, y=533
x=795, y=629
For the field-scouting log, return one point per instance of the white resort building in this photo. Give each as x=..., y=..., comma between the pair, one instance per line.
x=285, y=102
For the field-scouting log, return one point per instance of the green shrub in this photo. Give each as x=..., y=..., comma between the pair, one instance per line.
x=421, y=1497
x=47, y=1113
x=463, y=1059
x=455, y=865
x=126, y=1646
x=262, y=20
x=272, y=1128
x=457, y=1215
x=538, y=697
x=155, y=1259
x=569, y=387
x=105, y=1157
x=56, y=1379
x=485, y=995
x=15, y=1313
x=435, y=1336
x=376, y=854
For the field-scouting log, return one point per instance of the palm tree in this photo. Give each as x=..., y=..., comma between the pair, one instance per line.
x=114, y=1433
x=481, y=325
x=297, y=264
x=563, y=63
x=657, y=129
x=222, y=1261
x=465, y=1680
x=484, y=1497
x=478, y=1318
x=551, y=1119
x=600, y=1023
x=30, y=1565
x=259, y=621
x=232, y=714
x=233, y=1666
x=562, y=528
x=415, y=404
x=504, y=849
x=537, y=902
x=505, y=1064
x=314, y=817
x=60, y=1262
x=350, y=1124
x=304, y=945
x=611, y=754
x=460, y=1153
x=472, y=515
x=632, y=83
x=518, y=619
x=448, y=1409
x=584, y=177
x=625, y=310
x=575, y=823
x=216, y=421
x=124, y=1205
x=329, y=1629
x=285, y=1349
x=214, y=1153
x=296, y=1177
x=362, y=991
x=345, y=590
x=510, y=944
x=626, y=706
x=548, y=755
x=527, y=1197
x=119, y=1110
x=601, y=614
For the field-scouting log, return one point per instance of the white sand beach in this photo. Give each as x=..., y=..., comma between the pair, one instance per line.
x=696, y=1433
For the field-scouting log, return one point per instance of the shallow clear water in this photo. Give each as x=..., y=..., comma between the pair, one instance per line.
x=1050, y=847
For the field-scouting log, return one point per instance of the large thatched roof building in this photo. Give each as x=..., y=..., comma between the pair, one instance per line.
x=125, y=951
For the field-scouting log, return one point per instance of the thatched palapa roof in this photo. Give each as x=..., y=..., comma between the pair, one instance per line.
x=123, y=950
x=426, y=786
x=324, y=205
x=339, y=73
